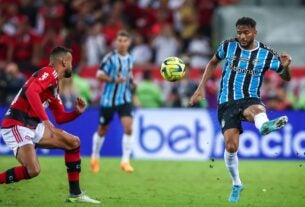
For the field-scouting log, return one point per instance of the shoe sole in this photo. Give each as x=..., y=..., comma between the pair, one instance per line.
x=280, y=123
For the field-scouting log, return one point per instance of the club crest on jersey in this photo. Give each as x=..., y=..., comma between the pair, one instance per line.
x=44, y=76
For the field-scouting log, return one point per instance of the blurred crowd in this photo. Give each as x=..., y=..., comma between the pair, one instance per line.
x=29, y=29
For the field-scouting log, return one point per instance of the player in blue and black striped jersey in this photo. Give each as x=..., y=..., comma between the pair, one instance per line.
x=115, y=72
x=246, y=62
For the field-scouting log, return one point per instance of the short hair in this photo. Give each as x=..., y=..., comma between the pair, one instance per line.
x=58, y=52
x=246, y=21
x=123, y=33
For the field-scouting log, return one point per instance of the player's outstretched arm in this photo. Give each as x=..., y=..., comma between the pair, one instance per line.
x=209, y=70
x=105, y=78
x=285, y=61
x=59, y=113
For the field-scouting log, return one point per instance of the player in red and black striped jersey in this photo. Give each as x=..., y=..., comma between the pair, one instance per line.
x=27, y=125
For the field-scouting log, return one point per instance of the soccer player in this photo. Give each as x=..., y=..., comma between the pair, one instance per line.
x=115, y=72
x=246, y=62
x=26, y=125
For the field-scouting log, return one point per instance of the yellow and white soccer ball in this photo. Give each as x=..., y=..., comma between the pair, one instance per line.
x=172, y=69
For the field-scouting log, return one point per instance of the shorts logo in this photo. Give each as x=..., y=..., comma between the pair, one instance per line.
x=102, y=120
x=27, y=137
x=223, y=123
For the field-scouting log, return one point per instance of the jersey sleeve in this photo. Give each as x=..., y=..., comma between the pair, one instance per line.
x=59, y=113
x=105, y=65
x=220, y=52
x=43, y=80
x=276, y=65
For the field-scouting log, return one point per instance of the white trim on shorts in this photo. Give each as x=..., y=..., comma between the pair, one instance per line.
x=18, y=136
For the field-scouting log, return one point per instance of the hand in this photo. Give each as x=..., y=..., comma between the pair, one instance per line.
x=48, y=125
x=119, y=80
x=197, y=97
x=285, y=59
x=80, y=105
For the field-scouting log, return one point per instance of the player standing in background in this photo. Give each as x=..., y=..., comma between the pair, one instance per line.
x=246, y=62
x=115, y=72
x=26, y=125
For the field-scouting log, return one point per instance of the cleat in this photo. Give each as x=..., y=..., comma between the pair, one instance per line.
x=95, y=165
x=81, y=198
x=126, y=167
x=235, y=194
x=273, y=125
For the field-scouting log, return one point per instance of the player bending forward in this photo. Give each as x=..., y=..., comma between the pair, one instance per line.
x=246, y=61
x=26, y=125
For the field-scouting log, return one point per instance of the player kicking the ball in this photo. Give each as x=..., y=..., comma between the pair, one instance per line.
x=26, y=125
x=246, y=61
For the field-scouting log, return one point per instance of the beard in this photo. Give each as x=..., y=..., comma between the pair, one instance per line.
x=68, y=73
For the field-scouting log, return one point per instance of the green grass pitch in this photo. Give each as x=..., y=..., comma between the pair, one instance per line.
x=161, y=184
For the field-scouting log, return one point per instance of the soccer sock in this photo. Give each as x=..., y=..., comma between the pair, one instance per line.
x=14, y=175
x=260, y=119
x=73, y=164
x=97, y=145
x=127, y=143
x=231, y=161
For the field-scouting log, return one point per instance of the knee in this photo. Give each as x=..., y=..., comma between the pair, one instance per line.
x=33, y=171
x=74, y=143
x=231, y=147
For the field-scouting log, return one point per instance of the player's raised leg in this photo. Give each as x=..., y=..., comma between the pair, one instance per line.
x=97, y=144
x=257, y=114
x=57, y=138
x=127, y=144
x=230, y=156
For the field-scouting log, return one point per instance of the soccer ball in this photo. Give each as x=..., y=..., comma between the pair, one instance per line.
x=172, y=69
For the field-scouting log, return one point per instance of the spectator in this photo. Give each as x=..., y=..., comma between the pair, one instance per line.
x=95, y=44
x=68, y=93
x=185, y=87
x=24, y=46
x=141, y=51
x=189, y=21
x=165, y=44
x=199, y=51
x=4, y=45
x=29, y=9
x=274, y=94
x=49, y=40
x=149, y=93
x=51, y=14
x=15, y=80
x=3, y=84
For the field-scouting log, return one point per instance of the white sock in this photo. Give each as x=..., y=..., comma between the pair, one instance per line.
x=260, y=119
x=97, y=145
x=231, y=161
x=127, y=143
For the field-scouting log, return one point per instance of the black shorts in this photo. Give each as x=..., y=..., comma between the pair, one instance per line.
x=107, y=113
x=230, y=114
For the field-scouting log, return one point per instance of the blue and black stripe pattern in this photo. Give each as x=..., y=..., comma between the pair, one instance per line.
x=115, y=65
x=244, y=70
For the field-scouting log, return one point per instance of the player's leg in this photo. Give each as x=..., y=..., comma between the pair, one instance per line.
x=106, y=115
x=230, y=122
x=19, y=140
x=257, y=113
x=231, y=137
x=127, y=141
x=97, y=144
x=59, y=139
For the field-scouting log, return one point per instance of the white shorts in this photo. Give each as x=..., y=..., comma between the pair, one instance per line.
x=17, y=136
